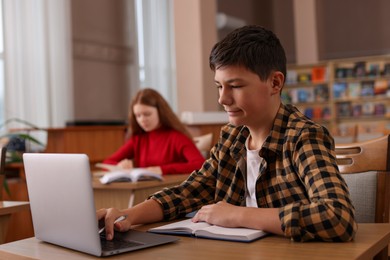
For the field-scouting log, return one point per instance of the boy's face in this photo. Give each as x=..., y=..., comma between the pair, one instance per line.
x=247, y=100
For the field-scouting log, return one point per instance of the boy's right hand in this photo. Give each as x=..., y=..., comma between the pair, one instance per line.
x=109, y=216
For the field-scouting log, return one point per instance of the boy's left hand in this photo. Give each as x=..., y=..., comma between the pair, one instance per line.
x=221, y=214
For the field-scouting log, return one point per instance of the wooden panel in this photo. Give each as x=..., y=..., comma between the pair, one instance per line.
x=20, y=224
x=97, y=142
x=7, y=210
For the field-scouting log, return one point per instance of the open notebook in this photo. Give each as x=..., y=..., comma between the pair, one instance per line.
x=63, y=209
x=205, y=230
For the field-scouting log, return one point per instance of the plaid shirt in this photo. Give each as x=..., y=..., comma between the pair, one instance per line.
x=298, y=175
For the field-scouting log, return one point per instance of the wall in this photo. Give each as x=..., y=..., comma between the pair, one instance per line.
x=195, y=34
x=102, y=55
x=102, y=38
x=353, y=28
x=276, y=15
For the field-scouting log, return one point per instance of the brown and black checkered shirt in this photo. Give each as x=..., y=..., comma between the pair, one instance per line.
x=298, y=175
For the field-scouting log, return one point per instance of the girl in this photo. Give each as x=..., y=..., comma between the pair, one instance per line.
x=158, y=140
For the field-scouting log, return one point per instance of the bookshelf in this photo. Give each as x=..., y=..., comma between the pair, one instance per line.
x=308, y=87
x=351, y=97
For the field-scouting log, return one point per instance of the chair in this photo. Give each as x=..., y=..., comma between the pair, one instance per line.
x=365, y=166
x=204, y=143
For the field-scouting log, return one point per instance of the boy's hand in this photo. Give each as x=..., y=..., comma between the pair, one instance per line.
x=221, y=214
x=110, y=217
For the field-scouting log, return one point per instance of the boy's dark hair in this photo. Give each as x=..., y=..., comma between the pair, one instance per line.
x=253, y=47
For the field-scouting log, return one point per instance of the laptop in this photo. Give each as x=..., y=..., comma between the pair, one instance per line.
x=63, y=209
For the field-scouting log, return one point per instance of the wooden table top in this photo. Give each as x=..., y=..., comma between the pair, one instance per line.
x=370, y=239
x=8, y=207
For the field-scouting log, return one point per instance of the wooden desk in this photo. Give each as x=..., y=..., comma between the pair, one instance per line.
x=7, y=208
x=127, y=194
x=370, y=239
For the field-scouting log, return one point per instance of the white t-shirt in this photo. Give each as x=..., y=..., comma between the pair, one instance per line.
x=252, y=173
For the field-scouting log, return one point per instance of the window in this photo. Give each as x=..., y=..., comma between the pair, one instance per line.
x=1, y=65
x=156, y=54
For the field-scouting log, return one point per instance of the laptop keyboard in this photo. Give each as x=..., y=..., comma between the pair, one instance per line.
x=116, y=243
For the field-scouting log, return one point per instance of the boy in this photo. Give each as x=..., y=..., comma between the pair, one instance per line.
x=272, y=169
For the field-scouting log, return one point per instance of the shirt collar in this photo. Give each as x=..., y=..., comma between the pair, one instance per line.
x=274, y=141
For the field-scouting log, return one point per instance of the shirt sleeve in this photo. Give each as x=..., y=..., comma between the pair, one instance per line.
x=329, y=215
x=198, y=190
x=125, y=151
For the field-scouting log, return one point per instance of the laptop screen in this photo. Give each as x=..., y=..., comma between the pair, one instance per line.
x=61, y=200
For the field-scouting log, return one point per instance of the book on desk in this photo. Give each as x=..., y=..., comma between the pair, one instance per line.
x=205, y=230
x=117, y=174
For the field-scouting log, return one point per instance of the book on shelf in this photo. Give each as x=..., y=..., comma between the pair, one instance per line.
x=317, y=113
x=367, y=88
x=292, y=77
x=381, y=86
x=318, y=74
x=326, y=113
x=286, y=97
x=293, y=95
x=374, y=70
x=368, y=109
x=308, y=112
x=304, y=77
x=359, y=70
x=379, y=109
x=354, y=89
x=305, y=95
x=205, y=230
x=386, y=70
x=117, y=174
x=321, y=93
x=356, y=110
x=344, y=109
x=344, y=72
x=340, y=73
x=340, y=90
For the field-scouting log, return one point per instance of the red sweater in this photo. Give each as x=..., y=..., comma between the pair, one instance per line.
x=171, y=150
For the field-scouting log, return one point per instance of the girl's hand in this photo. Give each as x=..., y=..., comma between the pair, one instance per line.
x=126, y=164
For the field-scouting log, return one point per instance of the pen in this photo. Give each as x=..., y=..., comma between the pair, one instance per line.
x=116, y=220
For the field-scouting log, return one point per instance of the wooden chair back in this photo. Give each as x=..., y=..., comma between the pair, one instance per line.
x=366, y=167
x=204, y=143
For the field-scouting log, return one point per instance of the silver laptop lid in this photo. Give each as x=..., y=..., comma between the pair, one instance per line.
x=69, y=222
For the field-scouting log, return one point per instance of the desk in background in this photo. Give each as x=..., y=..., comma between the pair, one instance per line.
x=370, y=240
x=127, y=194
x=7, y=208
